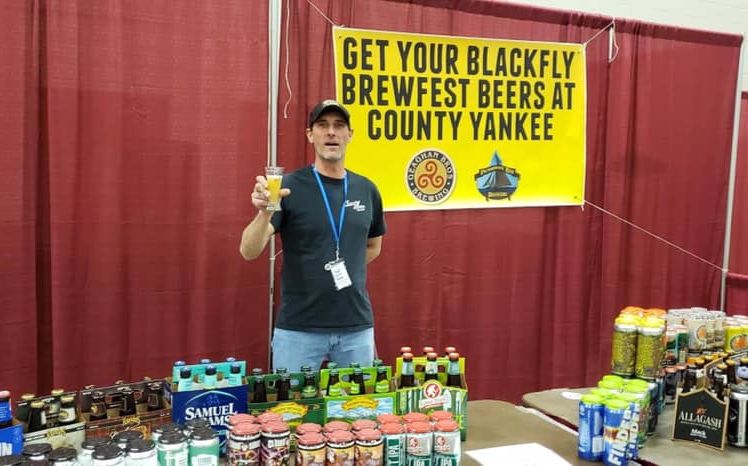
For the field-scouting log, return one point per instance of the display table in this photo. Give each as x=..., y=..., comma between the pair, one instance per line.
x=494, y=423
x=660, y=448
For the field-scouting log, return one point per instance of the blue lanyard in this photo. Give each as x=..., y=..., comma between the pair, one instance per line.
x=339, y=230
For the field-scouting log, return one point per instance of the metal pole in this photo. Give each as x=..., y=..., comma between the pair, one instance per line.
x=731, y=182
x=274, y=30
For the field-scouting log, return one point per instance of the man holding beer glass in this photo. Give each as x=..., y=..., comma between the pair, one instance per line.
x=331, y=223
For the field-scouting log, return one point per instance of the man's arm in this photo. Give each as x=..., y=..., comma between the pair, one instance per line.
x=256, y=235
x=373, y=248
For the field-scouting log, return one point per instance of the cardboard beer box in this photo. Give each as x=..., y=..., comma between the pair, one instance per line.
x=433, y=395
x=70, y=435
x=11, y=439
x=214, y=404
x=297, y=409
x=143, y=420
x=348, y=407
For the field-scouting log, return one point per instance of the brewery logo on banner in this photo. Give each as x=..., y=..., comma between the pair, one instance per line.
x=700, y=418
x=496, y=181
x=430, y=176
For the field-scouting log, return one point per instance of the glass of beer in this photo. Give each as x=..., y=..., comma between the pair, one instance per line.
x=274, y=176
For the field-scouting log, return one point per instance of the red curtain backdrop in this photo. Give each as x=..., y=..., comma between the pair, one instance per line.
x=122, y=213
x=737, y=281
x=133, y=133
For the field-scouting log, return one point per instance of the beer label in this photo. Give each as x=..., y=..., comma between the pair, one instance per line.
x=309, y=391
x=369, y=454
x=204, y=460
x=383, y=386
x=334, y=390
x=394, y=450
x=310, y=457
x=340, y=456
x=354, y=389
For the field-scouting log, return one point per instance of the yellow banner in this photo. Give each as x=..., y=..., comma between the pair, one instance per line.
x=454, y=122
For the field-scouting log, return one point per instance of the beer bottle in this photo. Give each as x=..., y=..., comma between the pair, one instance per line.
x=128, y=403
x=53, y=407
x=284, y=387
x=98, y=407
x=405, y=349
x=719, y=389
x=37, y=417
x=431, y=371
x=382, y=384
x=210, y=378
x=333, y=384
x=6, y=413
x=357, y=382
x=155, y=400
x=731, y=371
x=185, y=380
x=689, y=383
x=407, y=376
x=235, y=378
x=24, y=407
x=259, y=393
x=453, y=371
x=309, y=390
x=67, y=414
x=449, y=350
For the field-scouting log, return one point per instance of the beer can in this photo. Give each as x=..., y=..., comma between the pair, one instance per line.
x=275, y=441
x=162, y=429
x=37, y=451
x=368, y=447
x=123, y=439
x=447, y=442
x=141, y=453
x=737, y=419
x=310, y=449
x=108, y=455
x=243, y=446
x=420, y=443
x=172, y=450
x=204, y=447
x=634, y=421
x=340, y=447
x=394, y=443
x=590, y=440
x=615, y=437
x=85, y=456
x=63, y=456
x=649, y=348
x=623, y=357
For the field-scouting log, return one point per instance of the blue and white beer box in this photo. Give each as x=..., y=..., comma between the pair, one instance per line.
x=216, y=405
x=11, y=440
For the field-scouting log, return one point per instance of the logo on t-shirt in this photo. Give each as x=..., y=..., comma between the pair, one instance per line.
x=357, y=205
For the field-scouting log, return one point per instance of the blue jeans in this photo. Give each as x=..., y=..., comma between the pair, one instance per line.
x=293, y=349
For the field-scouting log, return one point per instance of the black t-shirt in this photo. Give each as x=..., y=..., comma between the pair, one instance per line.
x=309, y=299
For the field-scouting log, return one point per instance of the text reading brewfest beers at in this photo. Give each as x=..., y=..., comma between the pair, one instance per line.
x=423, y=88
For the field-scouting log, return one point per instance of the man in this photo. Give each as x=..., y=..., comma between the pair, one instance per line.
x=331, y=224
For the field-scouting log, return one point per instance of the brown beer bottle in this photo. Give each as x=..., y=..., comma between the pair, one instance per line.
x=333, y=383
x=357, y=386
x=98, y=407
x=453, y=371
x=407, y=376
x=37, y=417
x=67, y=414
x=431, y=371
x=689, y=383
x=731, y=371
x=154, y=399
x=284, y=387
x=128, y=403
x=259, y=393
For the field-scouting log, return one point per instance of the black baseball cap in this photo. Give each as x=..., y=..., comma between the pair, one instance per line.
x=325, y=106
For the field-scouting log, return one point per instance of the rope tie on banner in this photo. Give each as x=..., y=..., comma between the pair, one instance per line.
x=613, y=48
x=320, y=12
x=657, y=237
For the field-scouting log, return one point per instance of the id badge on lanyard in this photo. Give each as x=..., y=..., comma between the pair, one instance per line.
x=336, y=267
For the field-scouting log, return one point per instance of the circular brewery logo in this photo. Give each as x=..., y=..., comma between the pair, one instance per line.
x=430, y=176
